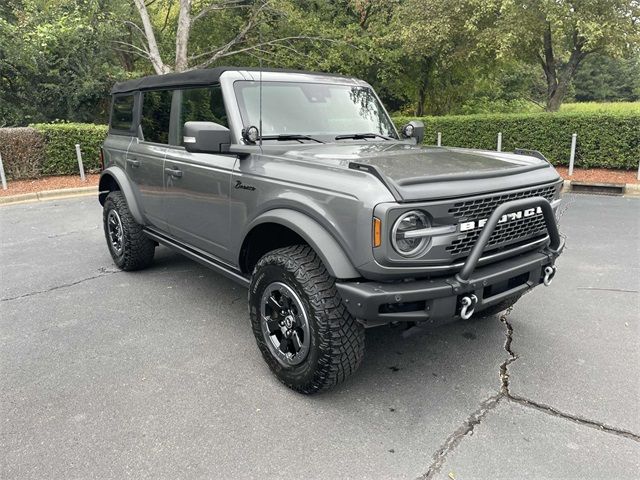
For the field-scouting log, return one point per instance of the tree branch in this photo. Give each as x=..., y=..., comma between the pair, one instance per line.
x=220, y=6
x=219, y=53
x=152, y=44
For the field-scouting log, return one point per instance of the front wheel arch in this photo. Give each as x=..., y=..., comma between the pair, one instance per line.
x=298, y=226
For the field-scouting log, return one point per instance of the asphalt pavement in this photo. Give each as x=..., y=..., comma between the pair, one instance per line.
x=155, y=374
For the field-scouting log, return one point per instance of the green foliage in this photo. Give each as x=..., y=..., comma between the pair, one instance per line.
x=603, y=78
x=22, y=151
x=602, y=107
x=59, y=146
x=607, y=140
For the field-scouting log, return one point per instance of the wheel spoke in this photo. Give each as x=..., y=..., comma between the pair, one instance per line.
x=295, y=339
x=273, y=303
x=272, y=325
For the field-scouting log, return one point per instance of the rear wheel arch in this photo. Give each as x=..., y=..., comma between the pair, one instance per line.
x=115, y=179
x=282, y=228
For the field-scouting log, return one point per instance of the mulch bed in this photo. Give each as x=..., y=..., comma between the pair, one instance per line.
x=600, y=175
x=17, y=187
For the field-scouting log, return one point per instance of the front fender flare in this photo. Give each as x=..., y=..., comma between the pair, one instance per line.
x=120, y=177
x=323, y=243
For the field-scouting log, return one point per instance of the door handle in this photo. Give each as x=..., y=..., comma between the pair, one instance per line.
x=133, y=162
x=174, y=172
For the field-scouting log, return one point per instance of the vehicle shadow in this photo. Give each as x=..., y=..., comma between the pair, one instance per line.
x=420, y=362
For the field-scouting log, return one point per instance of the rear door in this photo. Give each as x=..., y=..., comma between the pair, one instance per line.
x=197, y=184
x=145, y=159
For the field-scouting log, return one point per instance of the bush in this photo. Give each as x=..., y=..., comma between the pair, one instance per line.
x=60, y=151
x=22, y=151
x=607, y=140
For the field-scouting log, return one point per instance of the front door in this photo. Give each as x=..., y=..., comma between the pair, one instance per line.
x=197, y=184
x=197, y=199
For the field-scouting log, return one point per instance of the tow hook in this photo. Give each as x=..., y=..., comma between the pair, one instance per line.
x=549, y=273
x=468, y=306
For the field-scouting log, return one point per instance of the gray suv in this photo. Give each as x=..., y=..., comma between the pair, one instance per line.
x=298, y=186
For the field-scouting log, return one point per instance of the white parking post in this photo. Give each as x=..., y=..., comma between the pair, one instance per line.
x=439, y=139
x=573, y=153
x=2, y=176
x=80, y=166
x=499, y=141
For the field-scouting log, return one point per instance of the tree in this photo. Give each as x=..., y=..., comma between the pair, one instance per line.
x=56, y=60
x=559, y=34
x=187, y=14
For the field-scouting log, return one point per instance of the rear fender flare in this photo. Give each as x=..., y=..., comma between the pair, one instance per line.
x=120, y=177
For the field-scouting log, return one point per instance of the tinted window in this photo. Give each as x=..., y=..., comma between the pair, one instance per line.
x=312, y=109
x=156, y=112
x=203, y=105
x=122, y=115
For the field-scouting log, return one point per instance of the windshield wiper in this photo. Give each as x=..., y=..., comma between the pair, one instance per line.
x=360, y=136
x=290, y=136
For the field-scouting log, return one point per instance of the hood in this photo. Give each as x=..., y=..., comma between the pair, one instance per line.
x=414, y=172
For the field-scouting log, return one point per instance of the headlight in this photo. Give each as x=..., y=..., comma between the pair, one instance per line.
x=403, y=241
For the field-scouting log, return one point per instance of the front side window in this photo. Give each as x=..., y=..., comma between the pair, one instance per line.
x=202, y=105
x=312, y=109
x=122, y=112
x=156, y=113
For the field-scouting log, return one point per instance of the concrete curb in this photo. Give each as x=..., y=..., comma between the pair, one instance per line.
x=631, y=189
x=49, y=195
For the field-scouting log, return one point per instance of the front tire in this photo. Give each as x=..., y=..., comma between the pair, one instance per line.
x=130, y=248
x=305, y=334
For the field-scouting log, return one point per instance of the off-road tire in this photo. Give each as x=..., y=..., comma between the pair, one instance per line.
x=137, y=249
x=499, y=307
x=337, y=339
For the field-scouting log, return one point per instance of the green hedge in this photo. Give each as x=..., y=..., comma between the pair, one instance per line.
x=608, y=140
x=60, y=151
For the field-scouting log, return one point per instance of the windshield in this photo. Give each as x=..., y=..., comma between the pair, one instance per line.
x=314, y=109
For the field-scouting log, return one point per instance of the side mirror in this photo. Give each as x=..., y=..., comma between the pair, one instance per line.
x=206, y=137
x=414, y=129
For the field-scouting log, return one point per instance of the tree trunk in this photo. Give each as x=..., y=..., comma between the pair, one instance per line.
x=182, y=36
x=152, y=51
x=422, y=94
x=558, y=80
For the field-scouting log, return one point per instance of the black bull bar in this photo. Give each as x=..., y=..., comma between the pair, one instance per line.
x=555, y=245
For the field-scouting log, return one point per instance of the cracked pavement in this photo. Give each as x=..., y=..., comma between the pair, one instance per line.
x=155, y=374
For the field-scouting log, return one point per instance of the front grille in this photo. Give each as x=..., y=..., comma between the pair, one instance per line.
x=504, y=233
x=483, y=207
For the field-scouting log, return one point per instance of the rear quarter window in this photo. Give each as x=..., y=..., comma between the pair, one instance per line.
x=122, y=112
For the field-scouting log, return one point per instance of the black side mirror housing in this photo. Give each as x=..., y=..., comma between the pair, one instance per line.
x=206, y=137
x=414, y=129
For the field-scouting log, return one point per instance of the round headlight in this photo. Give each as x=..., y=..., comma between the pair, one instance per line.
x=408, y=245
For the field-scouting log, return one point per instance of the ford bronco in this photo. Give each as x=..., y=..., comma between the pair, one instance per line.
x=298, y=186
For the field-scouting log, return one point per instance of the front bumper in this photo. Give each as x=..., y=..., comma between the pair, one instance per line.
x=438, y=300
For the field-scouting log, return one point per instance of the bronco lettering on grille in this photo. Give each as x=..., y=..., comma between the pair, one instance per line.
x=508, y=217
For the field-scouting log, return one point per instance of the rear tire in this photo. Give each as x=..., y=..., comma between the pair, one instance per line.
x=130, y=248
x=305, y=334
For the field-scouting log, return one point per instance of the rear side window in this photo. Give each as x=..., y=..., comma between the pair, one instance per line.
x=156, y=113
x=122, y=113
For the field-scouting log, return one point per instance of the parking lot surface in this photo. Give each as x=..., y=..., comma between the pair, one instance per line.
x=155, y=374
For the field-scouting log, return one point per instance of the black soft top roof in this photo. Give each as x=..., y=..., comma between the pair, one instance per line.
x=192, y=78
